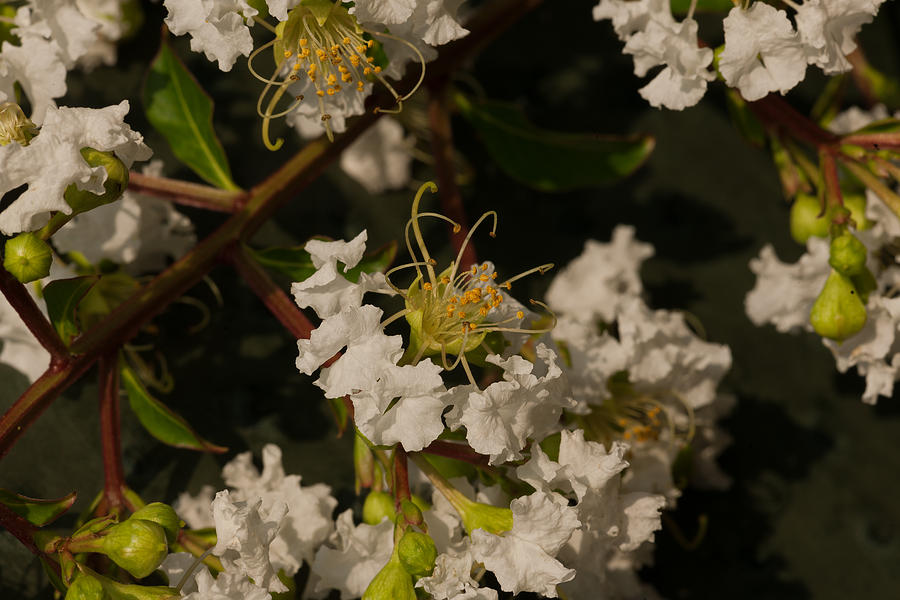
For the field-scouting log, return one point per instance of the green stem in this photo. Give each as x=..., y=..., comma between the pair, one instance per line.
x=187, y=193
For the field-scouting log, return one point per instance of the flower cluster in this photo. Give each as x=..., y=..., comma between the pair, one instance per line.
x=763, y=52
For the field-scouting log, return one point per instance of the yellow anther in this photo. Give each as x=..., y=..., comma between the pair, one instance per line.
x=445, y=280
x=321, y=54
x=370, y=43
x=494, y=275
x=472, y=326
x=320, y=93
x=359, y=86
x=474, y=270
x=370, y=60
x=520, y=314
x=288, y=54
x=346, y=40
x=304, y=53
x=484, y=277
x=303, y=41
x=347, y=77
x=465, y=327
x=484, y=267
x=330, y=91
x=337, y=88
x=506, y=285
x=312, y=68
x=335, y=49
x=483, y=311
x=378, y=69
x=460, y=315
x=296, y=66
x=326, y=116
x=354, y=60
x=332, y=79
x=367, y=71
x=427, y=285
x=361, y=48
x=454, y=299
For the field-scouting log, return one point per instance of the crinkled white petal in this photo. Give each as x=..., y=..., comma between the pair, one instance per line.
x=762, y=52
x=349, y=327
x=387, y=12
x=379, y=159
x=36, y=65
x=279, y=8
x=70, y=29
x=642, y=519
x=307, y=117
x=217, y=27
x=53, y=161
x=631, y=16
x=353, y=557
x=229, y=585
x=196, y=511
x=452, y=579
x=829, y=28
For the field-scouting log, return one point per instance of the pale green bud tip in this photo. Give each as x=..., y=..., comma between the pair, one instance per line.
x=377, y=506
x=847, y=255
x=86, y=587
x=391, y=583
x=805, y=219
x=27, y=257
x=163, y=515
x=136, y=545
x=492, y=519
x=14, y=125
x=417, y=553
x=838, y=312
x=115, y=184
x=411, y=512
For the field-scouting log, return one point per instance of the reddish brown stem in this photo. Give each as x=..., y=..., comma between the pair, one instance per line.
x=873, y=141
x=442, y=150
x=21, y=529
x=279, y=304
x=832, y=183
x=456, y=451
x=110, y=435
x=860, y=65
x=401, y=476
x=773, y=110
x=22, y=302
x=187, y=193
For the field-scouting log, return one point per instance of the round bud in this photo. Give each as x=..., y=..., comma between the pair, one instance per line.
x=391, y=583
x=847, y=254
x=805, y=219
x=115, y=184
x=856, y=203
x=136, y=545
x=838, y=312
x=377, y=506
x=411, y=512
x=417, y=552
x=27, y=257
x=86, y=587
x=865, y=284
x=163, y=515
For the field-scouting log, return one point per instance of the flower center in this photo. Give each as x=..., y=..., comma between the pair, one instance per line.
x=14, y=125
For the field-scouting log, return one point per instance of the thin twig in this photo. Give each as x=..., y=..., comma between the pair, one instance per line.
x=110, y=435
x=22, y=302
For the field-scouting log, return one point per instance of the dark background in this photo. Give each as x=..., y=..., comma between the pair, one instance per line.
x=813, y=512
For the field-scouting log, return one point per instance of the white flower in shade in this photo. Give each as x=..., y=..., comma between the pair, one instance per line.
x=329, y=113
x=499, y=419
x=243, y=537
x=53, y=161
x=784, y=293
x=682, y=82
x=828, y=28
x=387, y=12
x=308, y=522
x=762, y=52
x=880, y=378
x=522, y=559
x=848, y=121
x=601, y=278
x=74, y=32
x=432, y=21
x=327, y=290
x=631, y=16
x=18, y=348
x=196, y=511
x=353, y=557
x=229, y=585
x=138, y=231
x=37, y=67
x=379, y=159
x=452, y=579
x=218, y=28
x=403, y=405
x=279, y=8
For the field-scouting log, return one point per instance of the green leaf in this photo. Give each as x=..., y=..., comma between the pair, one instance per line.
x=680, y=7
x=62, y=297
x=36, y=511
x=296, y=263
x=159, y=420
x=551, y=161
x=179, y=109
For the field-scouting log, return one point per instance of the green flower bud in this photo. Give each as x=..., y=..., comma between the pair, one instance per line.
x=492, y=519
x=847, y=255
x=86, y=587
x=122, y=591
x=856, y=203
x=417, y=553
x=27, y=257
x=377, y=506
x=115, y=184
x=805, y=219
x=865, y=284
x=137, y=546
x=838, y=312
x=392, y=582
x=163, y=515
x=411, y=513
x=364, y=463
x=421, y=502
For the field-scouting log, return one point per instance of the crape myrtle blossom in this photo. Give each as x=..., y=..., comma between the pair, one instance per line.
x=828, y=28
x=34, y=64
x=379, y=159
x=218, y=28
x=201, y=585
x=52, y=161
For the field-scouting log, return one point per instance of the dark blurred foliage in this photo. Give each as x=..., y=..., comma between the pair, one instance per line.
x=812, y=512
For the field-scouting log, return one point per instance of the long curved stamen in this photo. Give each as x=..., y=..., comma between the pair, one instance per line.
x=493, y=233
x=267, y=116
x=466, y=368
x=398, y=315
x=265, y=24
x=429, y=186
x=256, y=53
x=541, y=269
x=421, y=58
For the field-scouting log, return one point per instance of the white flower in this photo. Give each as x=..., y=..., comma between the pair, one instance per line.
x=379, y=159
x=432, y=21
x=279, y=8
x=243, y=536
x=196, y=511
x=229, y=585
x=327, y=291
x=53, y=160
x=138, y=231
x=18, y=348
x=308, y=119
x=499, y=419
x=762, y=52
x=682, y=82
x=308, y=522
x=828, y=28
x=854, y=118
x=630, y=16
x=36, y=66
x=68, y=27
x=217, y=27
x=784, y=293
x=601, y=278
x=452, y=579
x=523, y=558
x=354, y=556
